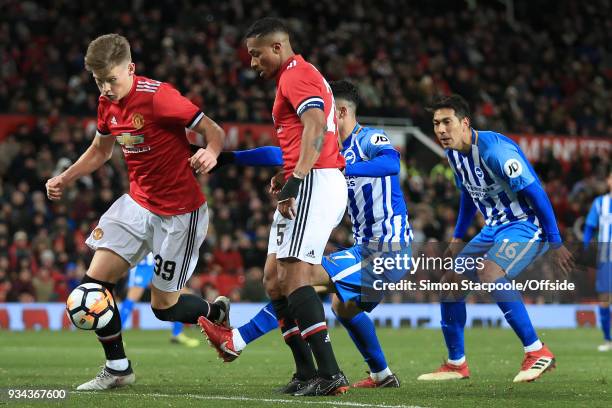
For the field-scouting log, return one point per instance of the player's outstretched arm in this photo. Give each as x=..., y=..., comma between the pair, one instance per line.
x=385, y=163
x=205, y=159
x=95, y=156
x=270, y=156
x=260, y=156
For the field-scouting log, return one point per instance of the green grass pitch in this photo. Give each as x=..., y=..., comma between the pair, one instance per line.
x=175, y=376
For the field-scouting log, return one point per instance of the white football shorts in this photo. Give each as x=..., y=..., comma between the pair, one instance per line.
x=132, y=231
x=320, y=204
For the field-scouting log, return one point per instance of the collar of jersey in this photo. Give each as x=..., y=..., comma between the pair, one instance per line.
x=474, y=136
x=283, y=68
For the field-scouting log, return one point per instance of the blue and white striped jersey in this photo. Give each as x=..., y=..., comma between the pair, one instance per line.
x=493, y=172
x=600, y=217
x=376, y=204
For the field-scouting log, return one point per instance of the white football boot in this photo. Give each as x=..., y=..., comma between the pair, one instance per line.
x=109, y=378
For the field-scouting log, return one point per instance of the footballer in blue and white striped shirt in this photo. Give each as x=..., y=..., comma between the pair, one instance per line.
x=495, y=178
x=600, y=217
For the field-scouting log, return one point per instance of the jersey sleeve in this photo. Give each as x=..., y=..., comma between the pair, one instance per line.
x=374, y=142
x=507, y=162
x=169, y=106
x=592, y=219
x=304, y=90
x=102, y=128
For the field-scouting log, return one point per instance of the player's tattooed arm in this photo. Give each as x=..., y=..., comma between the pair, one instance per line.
x=312, y=140
x=318, y=142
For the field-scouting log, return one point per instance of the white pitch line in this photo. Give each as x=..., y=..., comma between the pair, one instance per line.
x=268, y=400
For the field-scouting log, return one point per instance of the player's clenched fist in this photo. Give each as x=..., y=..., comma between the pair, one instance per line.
x=276, y=183
x=203, y=161
x=55, y=186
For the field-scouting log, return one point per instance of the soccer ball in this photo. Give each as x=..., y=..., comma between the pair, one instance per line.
x=90, y=306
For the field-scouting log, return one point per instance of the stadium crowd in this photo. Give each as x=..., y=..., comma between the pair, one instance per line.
x=540, y=73
x=547, y=70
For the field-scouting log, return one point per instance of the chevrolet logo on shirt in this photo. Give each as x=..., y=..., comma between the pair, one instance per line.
x=129, y=140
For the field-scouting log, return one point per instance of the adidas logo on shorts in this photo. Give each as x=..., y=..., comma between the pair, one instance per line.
x=310, y=253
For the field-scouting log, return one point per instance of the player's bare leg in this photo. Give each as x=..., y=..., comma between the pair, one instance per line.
x=362, y=332
x=106, y=269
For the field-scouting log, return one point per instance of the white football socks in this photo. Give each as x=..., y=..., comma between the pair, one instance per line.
x=381, y=375
x=118, y=365
x=239, y=343
x=535, y=346
x=457, y=362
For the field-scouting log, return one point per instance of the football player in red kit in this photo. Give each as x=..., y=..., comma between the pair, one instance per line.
x=310, y=204
x=164, y=212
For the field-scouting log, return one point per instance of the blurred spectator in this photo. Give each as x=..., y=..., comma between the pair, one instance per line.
x=22, y=286
x=253, y=289
x=44, y=285
x=228, y=257
x=20, y=250
x=5, y=283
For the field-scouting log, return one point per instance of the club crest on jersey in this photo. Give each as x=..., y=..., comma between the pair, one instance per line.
x=379, y=139
x=513, y=168
x=114, y=121
x=350, y=157
x=97, y=233
x=478, y=172
x=137, y=121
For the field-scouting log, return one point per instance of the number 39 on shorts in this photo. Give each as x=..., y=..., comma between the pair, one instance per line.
x=165, y=270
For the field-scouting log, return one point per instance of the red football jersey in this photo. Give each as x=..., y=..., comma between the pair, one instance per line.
x=300, y=86
x=149, y=123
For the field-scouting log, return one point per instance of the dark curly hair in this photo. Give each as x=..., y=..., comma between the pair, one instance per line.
x=345, y=90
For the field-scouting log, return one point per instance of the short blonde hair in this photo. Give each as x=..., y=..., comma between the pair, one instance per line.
x=107, y=51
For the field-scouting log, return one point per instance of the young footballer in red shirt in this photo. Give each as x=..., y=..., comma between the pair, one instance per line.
x=164, y=212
